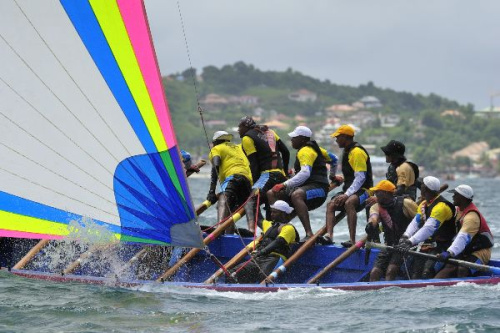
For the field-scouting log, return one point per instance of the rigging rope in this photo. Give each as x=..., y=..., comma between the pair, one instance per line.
x=200, y=111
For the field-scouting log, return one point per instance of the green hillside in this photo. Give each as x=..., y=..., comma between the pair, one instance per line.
x=429, y=136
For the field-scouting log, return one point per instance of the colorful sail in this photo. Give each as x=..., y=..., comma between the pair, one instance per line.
x=86, y=132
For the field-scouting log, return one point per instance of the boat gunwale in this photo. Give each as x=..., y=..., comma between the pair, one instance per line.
x=353, y=286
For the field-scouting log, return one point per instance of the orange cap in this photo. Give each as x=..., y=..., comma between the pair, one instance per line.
x=384, y=185
x=344, y=129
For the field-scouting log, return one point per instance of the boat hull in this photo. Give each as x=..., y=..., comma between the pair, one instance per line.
x=351, y=274
x=353, y=286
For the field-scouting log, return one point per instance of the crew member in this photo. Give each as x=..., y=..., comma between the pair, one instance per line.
x=357, y=172
x=279, y=234
x=433, y=225
x=401, y=172
x=473, y=242
x=231, y=166
x=394, y=213
x=189, y=167
x=268, y=157
x=308, y=188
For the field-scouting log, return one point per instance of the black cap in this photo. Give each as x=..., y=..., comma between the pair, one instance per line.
x=247, y=121
x=394, y=148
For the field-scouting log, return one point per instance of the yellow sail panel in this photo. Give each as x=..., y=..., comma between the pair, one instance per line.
x=11, y=221
x=111, y=23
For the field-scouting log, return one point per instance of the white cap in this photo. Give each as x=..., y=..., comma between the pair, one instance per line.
x=464, y=190
x=301, y=131
x=432, y=183
x=222, y=135
x=283, y=206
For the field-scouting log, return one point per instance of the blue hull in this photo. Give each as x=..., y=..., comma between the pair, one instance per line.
x=351, y=274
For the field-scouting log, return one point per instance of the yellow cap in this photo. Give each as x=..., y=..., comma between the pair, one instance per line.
x=384, y=185
x=344, y=129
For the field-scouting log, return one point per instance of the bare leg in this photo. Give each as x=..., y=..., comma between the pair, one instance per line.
x=298, y=199
x=447, y=272
x=251, y=209
x=375, y=274
x=392, y=272
x=223, y=212
x=352, y=216
x=462, y=272
x=330, y=218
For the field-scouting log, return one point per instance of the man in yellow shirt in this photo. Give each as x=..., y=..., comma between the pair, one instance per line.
x=279, y=234
x=308, y=188
x=473, y=242
x=401, y=172
x=230, y=166
x=357, y=172
x=268, y=157
x=433, y=226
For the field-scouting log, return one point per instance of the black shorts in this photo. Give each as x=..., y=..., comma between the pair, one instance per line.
x=237, y=191
x=386, y=258
x=267, y=180
x=316, y=194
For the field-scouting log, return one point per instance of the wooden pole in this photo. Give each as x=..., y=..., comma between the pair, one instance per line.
x=31, y=254
x=294, y=257
x=234, y=261
x=199, y=165
x=219, y=230
x=457, y=262
x=75, y=264
x=443, y=188
x=359, y=244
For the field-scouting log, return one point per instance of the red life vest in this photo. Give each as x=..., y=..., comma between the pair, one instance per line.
x=484, y=238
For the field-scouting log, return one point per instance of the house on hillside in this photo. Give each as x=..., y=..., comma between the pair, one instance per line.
x=339, y=110
x=214, y=99
x=303, y=95
x=452, y=113
x=474, y=151
x=370, y=102
x=244, y=100
x=276, y=124
x=258, y=112
x=362, y=118
x=282, y=117
x=489, y=112
x=389, y=120
x=300, y=119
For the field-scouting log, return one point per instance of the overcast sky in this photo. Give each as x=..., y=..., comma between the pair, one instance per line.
x=448, y=47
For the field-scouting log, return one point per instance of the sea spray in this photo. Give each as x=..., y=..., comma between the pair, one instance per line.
x=84, y=235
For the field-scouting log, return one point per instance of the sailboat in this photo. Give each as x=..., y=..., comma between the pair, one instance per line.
x=89, y=150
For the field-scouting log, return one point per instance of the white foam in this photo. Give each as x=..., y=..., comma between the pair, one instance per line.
x=288, y=294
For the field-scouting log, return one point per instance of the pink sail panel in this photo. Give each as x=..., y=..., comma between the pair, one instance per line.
x=140, y=37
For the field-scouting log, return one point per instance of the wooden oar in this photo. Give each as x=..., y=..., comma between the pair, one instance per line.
x=457, y=262
x=359, y=244
x=74, y=265
x=234, y=261
x=443, y=188
x=199, y=165
x=294, y=257
x=219, y=230
x=31, y=254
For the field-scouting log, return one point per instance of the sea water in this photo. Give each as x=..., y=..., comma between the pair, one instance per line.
x=40, y=306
